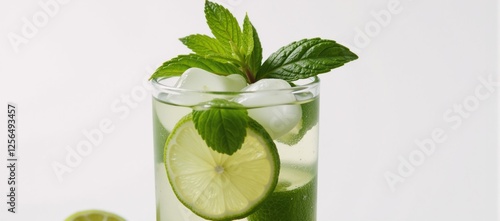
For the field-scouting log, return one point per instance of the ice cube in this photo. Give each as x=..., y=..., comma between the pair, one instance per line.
x=279, y=115
x=200, y=80
x=196, y=80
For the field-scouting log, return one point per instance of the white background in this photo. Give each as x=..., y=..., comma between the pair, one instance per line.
x=414, y=68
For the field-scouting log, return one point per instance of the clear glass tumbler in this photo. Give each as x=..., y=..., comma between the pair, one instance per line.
x=294, y=196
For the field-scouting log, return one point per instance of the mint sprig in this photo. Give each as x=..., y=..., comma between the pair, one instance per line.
x=238, y=50
x=222, y=126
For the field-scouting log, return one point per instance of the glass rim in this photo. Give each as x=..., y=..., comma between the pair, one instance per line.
x=162, y=87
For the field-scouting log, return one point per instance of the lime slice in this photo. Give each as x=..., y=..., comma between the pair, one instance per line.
x=217, y=186
x=94, y=215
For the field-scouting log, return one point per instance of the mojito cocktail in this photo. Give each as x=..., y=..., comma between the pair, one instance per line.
x=236, y=138
x=271, y=177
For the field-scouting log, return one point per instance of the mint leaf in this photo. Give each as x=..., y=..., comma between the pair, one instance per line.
x=254, y=54
x=247, y=37
x=223, y=25
x=222, y=126
x=179, y=64
x=305, y=58
x=205, y=45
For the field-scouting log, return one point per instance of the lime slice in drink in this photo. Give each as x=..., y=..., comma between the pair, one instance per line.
x=293, y=200
x=94, y=215
x=217, y=186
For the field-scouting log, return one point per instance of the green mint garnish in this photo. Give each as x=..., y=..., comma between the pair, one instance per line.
x=238, y=50
x=234, y=50
x=222, y=125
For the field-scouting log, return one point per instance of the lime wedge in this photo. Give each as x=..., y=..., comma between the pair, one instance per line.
x=217, y=186
x=94, y=215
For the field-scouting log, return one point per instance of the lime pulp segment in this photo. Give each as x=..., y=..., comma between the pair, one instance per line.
x=217, y=186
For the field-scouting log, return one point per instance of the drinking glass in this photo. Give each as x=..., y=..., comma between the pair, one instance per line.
x=294, y=197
